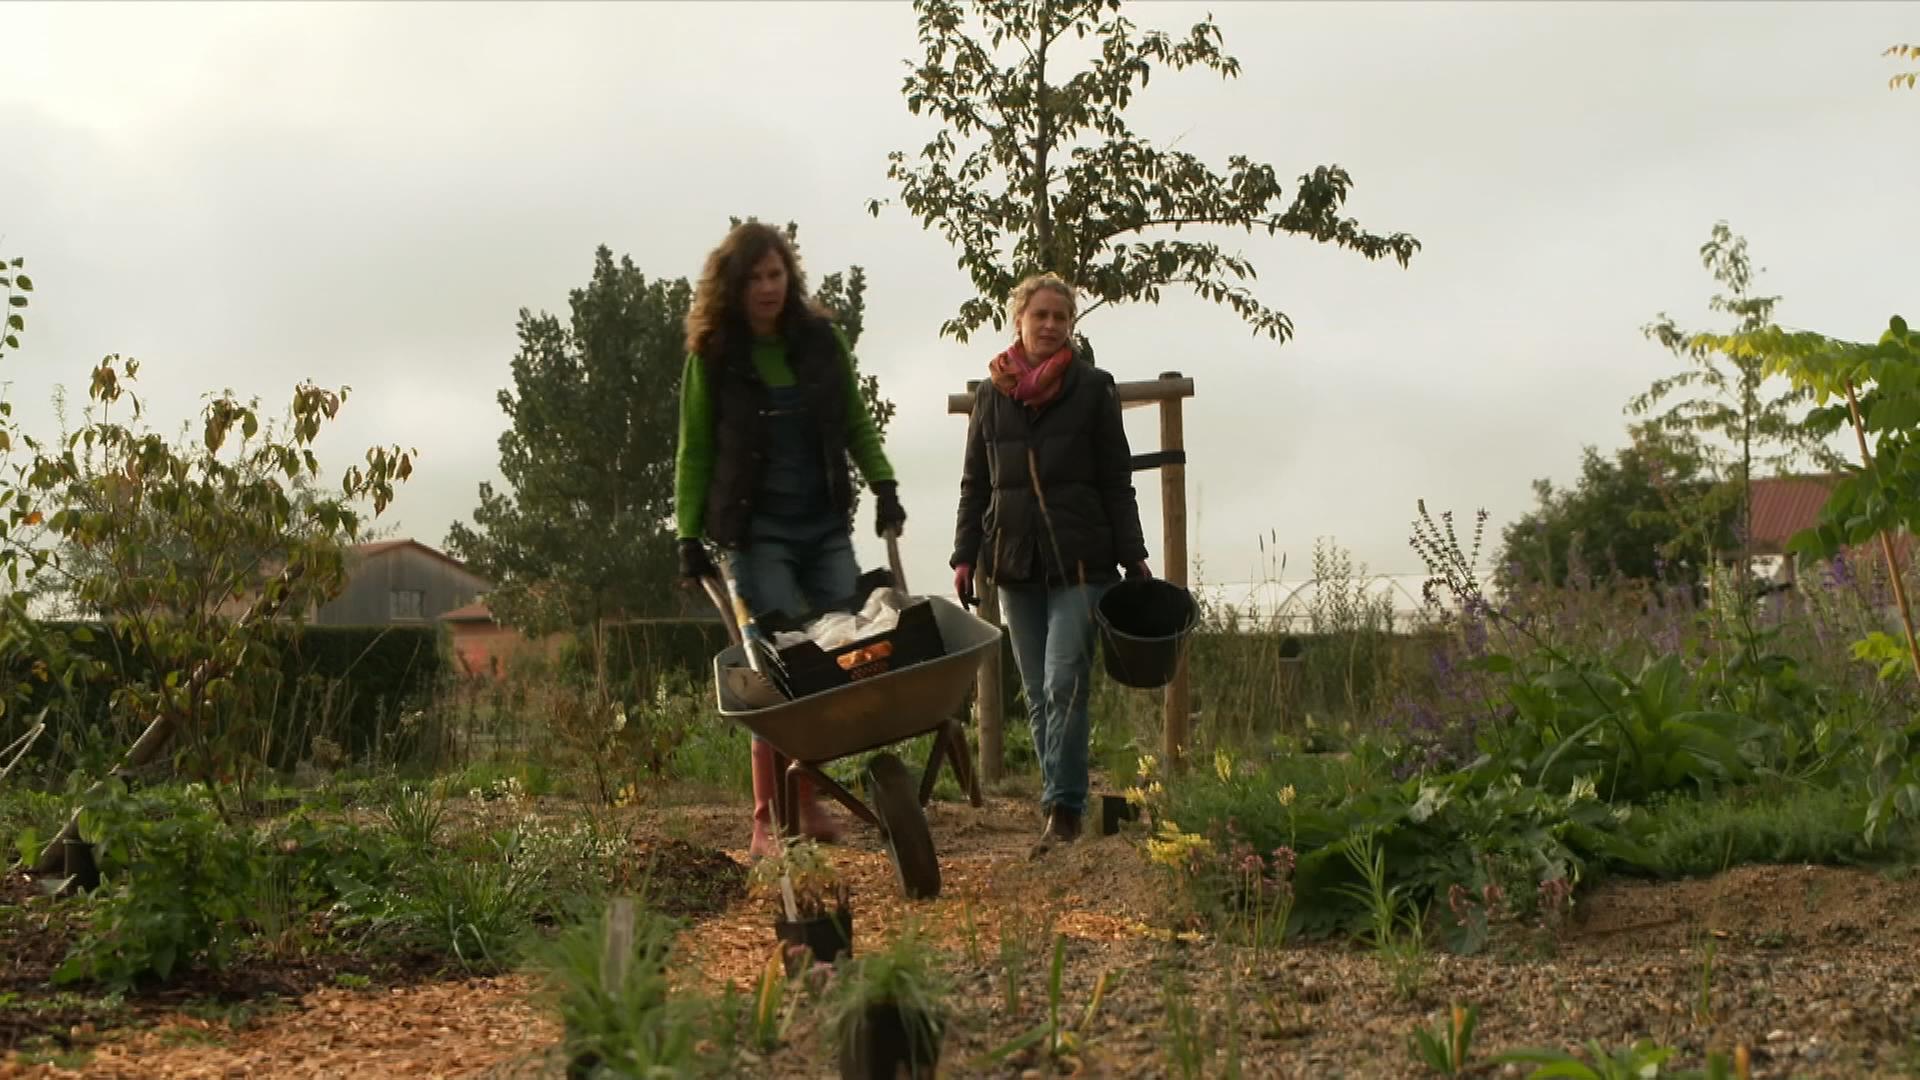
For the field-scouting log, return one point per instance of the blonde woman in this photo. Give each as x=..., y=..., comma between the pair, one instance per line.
x=1048, y=516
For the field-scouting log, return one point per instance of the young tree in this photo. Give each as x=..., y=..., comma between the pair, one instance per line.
x=1035, y=167
x=1722, y=401
x=586, y=532
x=1908, y=79
x=116, y=491
x=1873, y=389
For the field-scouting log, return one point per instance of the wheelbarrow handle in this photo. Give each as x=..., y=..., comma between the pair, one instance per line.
x=717, y=593
x=893, y=559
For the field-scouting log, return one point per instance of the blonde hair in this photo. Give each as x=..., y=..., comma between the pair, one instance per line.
x=1022, y=295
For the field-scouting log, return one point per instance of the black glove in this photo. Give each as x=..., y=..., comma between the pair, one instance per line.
x=888, y=514
x=695, y=564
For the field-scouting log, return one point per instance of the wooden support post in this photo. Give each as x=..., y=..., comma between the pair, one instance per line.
x=989, y=695
x=1173, y=514
x=989, y=705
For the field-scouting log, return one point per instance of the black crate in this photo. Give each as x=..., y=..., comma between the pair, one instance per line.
x=915, y=639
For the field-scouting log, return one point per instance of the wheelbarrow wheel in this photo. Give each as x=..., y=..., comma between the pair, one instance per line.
x=903, y=825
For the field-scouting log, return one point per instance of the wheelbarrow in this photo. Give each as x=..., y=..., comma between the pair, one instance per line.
x=866, y=715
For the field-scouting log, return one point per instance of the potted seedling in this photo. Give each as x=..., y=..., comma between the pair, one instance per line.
x=812, y=916
x=1114, y=810
x=887, y=1012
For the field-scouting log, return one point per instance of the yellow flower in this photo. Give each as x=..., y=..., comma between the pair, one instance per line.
x=1148, y=763
x=1136, y=797
x=1222, y=766
x=1286, y=795
x=1172, y=848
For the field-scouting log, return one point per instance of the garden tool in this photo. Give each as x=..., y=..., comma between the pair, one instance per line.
x=755, y=685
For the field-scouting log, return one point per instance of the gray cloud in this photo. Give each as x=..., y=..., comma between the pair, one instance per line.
x=247, y=196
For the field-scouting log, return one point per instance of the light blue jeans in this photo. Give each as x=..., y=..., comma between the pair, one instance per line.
x=1053, y=644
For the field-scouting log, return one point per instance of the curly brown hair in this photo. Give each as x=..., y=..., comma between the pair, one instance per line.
x=717, y=310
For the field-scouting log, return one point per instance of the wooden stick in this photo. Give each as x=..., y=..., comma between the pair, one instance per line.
x=989, y=704
x=616, y=946
x=1173, y=515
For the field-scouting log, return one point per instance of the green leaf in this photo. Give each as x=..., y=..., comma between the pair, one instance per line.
x=15, y=322
x=23, y=282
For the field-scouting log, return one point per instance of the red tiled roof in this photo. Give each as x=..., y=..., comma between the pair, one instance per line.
x=474, y=612
x=1785, y=505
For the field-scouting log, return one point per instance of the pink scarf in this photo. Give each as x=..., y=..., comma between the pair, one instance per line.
x=1026, y=382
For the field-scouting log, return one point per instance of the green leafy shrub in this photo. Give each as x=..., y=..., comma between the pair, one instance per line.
x=174, y=881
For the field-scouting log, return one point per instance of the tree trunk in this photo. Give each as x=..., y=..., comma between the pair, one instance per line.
x=161, y=729
x=1042, y=146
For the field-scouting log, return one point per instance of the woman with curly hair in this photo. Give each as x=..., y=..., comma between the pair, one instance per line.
x=1048, y=514
x=770, y=418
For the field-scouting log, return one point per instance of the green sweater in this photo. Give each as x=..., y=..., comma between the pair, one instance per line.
x=693, y=467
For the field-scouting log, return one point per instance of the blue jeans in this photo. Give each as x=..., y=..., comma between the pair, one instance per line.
x=796, y=576
x=1053, y=644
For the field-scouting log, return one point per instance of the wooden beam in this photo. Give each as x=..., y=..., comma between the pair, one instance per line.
x=1173, y=517
x=1132, y=394
x=990, y=699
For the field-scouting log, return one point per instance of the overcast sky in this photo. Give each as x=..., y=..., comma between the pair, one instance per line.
x=246, y=195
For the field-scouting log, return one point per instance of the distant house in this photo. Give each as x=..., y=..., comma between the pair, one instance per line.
x=401, y=582
x=1784, y=506
x=482, y=646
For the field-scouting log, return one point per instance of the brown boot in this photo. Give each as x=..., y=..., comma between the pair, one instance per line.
x=1063, y=825
x=815, y=821
x=766, y=791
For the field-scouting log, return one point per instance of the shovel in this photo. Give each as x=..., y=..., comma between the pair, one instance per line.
x=750, y=685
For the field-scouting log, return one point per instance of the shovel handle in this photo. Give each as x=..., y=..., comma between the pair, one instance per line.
x=718, y=595
x=893, y=559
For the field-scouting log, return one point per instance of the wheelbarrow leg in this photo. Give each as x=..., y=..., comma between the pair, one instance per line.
x=960, y=758
x=828, y=784
x=786, y=813
x=931, y=774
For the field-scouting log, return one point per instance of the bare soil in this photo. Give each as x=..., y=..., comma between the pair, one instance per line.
x=1814, y=969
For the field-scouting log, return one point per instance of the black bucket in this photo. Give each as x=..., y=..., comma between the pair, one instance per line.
x=1144, y=626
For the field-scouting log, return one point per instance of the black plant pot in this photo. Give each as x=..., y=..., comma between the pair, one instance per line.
x=891, y=1042
x=819, y=940
x=582, y=1065
x=1115, y=809
x=83, y=873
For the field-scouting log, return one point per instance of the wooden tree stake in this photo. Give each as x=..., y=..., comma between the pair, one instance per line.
x=1173, y=517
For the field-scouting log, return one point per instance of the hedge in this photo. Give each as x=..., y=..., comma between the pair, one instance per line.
x=348, y=684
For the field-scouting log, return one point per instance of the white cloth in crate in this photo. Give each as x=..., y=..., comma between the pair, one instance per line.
x=839, y=629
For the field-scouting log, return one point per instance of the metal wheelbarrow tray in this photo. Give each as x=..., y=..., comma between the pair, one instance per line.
x=919, y=699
